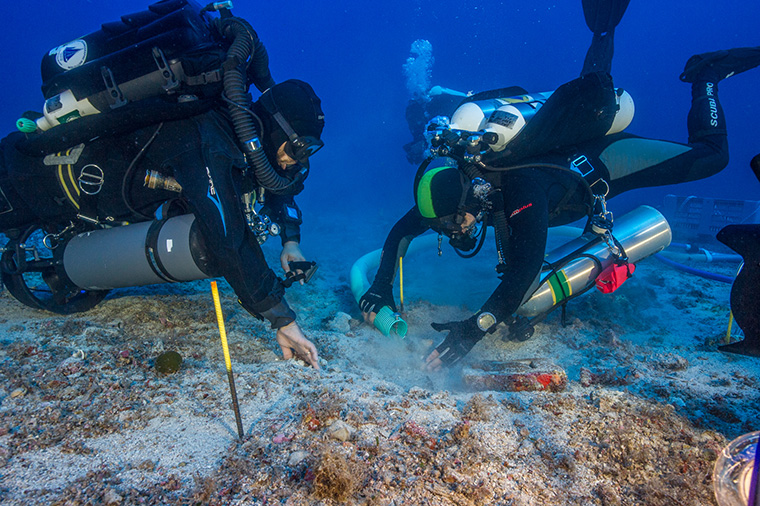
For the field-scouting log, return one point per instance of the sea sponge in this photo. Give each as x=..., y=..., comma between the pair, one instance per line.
x=334, y=478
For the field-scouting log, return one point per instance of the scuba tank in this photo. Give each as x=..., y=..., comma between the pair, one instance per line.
x=146, y=54
x=639, y=233
x=61, y=108
x=577, y=264
x=173, y=52
x=504, y=118
x=136, y=255
x=498, y=115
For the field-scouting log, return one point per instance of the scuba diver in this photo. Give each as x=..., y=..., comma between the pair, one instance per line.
x=521, y=178
x=426, y=101
x=150, y=161
x=438, y=101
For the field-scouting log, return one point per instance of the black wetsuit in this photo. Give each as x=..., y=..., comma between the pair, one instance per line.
x=202, y=153
x=535, y=199
x=204, y=157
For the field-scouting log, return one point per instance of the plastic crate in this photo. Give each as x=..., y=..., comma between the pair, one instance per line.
x=699, y=219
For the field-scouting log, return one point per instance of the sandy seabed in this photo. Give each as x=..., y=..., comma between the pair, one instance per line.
x=85, y=418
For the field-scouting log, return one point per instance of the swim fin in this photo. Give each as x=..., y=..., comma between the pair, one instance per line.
x=721, y=64
x=745, y=291
x=603, y=16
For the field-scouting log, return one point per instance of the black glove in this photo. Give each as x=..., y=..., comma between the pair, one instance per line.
x=461, y=338
x=377, y=297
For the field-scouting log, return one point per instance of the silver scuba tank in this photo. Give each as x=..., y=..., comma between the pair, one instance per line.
x=642, y=232
x=134, y=255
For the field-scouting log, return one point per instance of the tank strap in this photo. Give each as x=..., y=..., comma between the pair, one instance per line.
x=151, y=247
x=211, y=76
x=88, y=208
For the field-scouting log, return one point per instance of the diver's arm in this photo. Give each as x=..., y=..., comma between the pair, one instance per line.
x=440, y=90
x=526, y=205
x=284, y=211
x=401, y=235
x=380, y=294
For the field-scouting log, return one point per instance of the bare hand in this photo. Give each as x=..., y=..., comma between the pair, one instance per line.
x=369, y=317
x=294, y=343
x=432, y=362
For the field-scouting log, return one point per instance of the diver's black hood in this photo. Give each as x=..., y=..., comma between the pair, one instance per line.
x=299, y=105
x=445, y=191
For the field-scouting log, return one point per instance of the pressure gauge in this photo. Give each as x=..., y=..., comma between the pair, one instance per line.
x=486, y=320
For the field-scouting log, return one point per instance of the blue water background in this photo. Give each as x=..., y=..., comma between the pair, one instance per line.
x=353, y=52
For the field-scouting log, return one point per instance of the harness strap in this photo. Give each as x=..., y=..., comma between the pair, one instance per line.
x=151, y=248
x=211, y=76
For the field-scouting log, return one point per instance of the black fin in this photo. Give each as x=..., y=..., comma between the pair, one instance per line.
x=755, y=164
x=603, y=16
x=719, y=65
x=745, y=292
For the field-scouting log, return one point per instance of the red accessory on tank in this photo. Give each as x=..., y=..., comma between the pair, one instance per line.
x=613, y=276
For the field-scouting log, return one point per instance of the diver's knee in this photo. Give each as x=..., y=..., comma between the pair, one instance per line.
x=708, y=166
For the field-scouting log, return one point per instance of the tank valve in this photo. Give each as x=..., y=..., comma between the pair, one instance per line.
x=157, y=181
x=26, y=125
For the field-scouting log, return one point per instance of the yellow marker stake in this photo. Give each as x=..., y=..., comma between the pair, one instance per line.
x=227, y=361
x=730, y=324
x=401, y=280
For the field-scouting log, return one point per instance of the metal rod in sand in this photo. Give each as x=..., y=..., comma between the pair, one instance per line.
x=227, y=361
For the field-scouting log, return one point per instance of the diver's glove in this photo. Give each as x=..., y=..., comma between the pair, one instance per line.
x=376, y=298
x=461, y=338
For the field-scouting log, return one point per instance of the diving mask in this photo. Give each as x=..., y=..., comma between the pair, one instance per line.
x=462, y=235
x=299, y=148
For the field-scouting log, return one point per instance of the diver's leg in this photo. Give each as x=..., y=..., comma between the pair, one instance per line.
x=602, y=16
x=635, y=162
x=599, y=54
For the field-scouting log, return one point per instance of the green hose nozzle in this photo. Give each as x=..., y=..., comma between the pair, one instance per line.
x=26, y=125
x=386, y=321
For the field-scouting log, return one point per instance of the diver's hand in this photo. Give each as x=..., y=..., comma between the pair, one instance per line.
x=291, y=252
x=375, y=299
x=294, y=343
x=461, y=338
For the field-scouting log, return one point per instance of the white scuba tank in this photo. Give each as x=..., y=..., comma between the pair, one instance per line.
x=63, y=108
x=506, y=117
